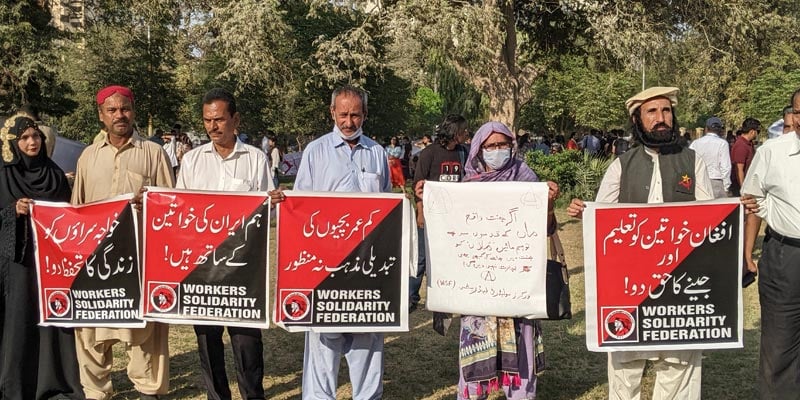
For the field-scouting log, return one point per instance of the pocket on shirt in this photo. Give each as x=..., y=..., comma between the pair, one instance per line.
x=239, y=185
x=137, y=180
x=370, y=182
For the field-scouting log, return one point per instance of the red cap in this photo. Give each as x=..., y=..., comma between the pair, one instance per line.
x=109, y=91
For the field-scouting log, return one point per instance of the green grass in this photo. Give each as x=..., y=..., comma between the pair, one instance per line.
x=421, y=364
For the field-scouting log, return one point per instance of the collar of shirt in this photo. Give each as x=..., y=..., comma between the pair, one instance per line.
x=135, y=140
x=795, y=143
x=744, y=140
x=238, y=148
x=337, y=142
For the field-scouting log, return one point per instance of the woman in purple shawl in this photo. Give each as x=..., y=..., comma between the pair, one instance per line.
x=511, y=352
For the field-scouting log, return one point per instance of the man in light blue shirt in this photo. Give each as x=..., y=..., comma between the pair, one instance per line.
x=344, y=160
x=333, y=163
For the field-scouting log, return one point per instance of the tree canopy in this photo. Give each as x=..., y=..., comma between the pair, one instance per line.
x=547, y=66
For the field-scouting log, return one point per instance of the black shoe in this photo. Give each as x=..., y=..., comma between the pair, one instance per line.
x=143, y=396
x=412, y=307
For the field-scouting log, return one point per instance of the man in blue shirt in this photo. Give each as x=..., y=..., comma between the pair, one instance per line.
x=344, y=160
x=591, y=143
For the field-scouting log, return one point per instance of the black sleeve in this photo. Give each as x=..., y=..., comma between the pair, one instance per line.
x=422, y=168
x=8, y=231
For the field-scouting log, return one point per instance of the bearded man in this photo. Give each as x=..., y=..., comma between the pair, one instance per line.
x=658, y=170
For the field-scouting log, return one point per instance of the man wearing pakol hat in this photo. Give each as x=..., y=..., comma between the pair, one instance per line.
x=773, y=180
x=655, y=172
x=715, y=152
x=120, y=162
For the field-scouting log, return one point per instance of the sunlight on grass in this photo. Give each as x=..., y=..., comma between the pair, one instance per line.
x=422, y=364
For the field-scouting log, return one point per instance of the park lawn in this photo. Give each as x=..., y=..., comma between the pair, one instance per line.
x=421, y=364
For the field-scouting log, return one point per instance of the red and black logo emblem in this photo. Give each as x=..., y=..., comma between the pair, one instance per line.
x=162, y=297
x=58, y=303
x=296, y=306
x=620, y=324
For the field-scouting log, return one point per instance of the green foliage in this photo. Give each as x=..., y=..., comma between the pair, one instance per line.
x=542, y=66
x=577, y=93
x=766, y=95
x=578, y=174
x=426, y=110
x=28, y=63
x=122, y=48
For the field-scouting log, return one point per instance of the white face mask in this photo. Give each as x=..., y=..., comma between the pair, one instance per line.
x=345, y=137
x=496, y=159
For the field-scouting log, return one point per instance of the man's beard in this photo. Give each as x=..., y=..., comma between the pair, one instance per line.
x=661, y=135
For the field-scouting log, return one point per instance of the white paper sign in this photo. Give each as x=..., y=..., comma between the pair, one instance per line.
x=486, y=248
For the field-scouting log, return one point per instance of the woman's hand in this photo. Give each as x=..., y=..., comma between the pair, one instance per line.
x=553, y=192
x=22, y=206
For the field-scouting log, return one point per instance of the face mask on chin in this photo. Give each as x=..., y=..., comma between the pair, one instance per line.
x=496, y=159
x=341, y=134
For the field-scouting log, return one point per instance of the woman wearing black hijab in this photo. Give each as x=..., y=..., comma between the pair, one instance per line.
x=35, y=362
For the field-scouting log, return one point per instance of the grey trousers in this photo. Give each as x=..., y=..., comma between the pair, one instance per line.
x=779, y=294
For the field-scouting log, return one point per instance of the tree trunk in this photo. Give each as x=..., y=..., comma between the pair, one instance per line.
x=504, y=100
x=503, y=107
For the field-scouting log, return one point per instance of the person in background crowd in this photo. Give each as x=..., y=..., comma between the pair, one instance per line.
x=742, y=153
x=227, y=164
x=730, y=137
x=424, y=142
x=183, y=146
x=121, y=162
x=395, y=154
x=686, y=137
x=620, y=145
x=158, y=137
x=772, y=182
x=628, y=179
x=35, y=362
x=171, y=148
x=714, y=151
x=344, y=160
x=405, y=142
x=543, y=145
x=571, y=143
x=441, y=161
x=274, y=158
x=591, y=143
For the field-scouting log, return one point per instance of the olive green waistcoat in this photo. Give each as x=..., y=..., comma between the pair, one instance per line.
x=677, y=175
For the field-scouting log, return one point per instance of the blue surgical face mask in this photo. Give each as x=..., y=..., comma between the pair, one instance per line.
x=496, y=159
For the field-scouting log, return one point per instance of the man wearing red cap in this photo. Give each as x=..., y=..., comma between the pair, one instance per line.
x=120, y=161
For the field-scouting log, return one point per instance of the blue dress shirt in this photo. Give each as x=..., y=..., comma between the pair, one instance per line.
x=330, y=165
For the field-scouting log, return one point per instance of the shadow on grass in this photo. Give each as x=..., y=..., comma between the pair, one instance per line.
x=572, y=370
x=732, y=374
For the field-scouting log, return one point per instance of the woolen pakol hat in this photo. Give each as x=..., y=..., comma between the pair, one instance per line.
x=657, y=91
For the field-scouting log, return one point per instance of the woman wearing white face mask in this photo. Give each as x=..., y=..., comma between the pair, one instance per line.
x=518, y=360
